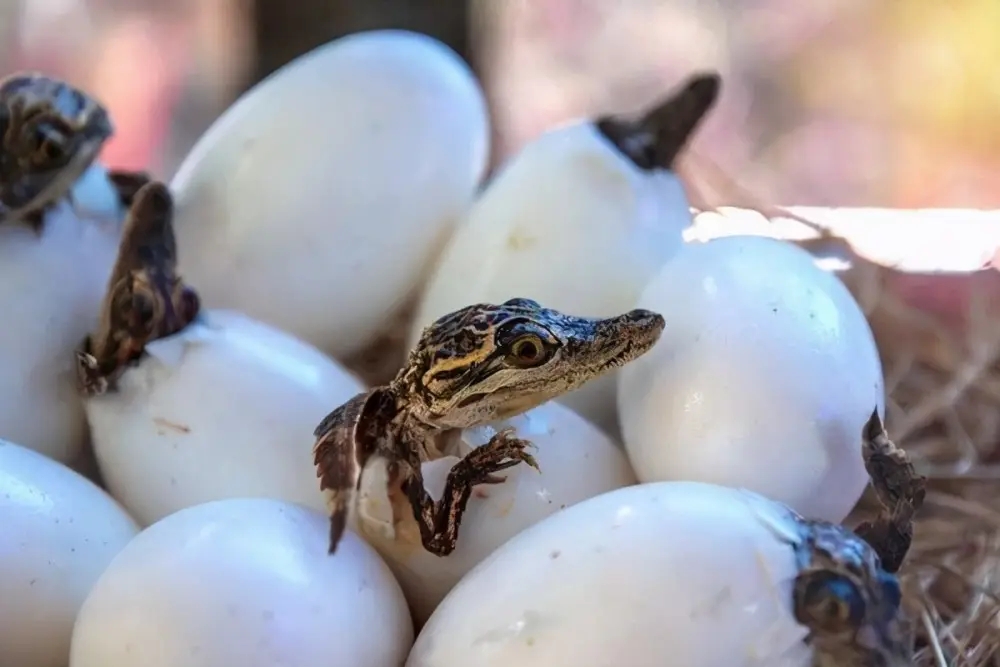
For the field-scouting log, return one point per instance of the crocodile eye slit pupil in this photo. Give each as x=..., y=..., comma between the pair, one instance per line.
x=526, y=350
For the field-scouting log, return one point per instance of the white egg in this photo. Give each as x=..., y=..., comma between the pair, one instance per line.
x=317, y=202
x=60, y=531
x=225, y=408
x=51, y=286
x=576, y=461
x=247, y=583
x=763, y=379
x=675, y=573
x=573, y=222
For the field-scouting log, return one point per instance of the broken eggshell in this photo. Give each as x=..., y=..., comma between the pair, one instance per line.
x=763, y=378
x=224, y=408
x=51, y=286
x=60, y=531
x=577, y=461
x=577, y=221
x=673, y=573
x=243, y=582
x=372, y=145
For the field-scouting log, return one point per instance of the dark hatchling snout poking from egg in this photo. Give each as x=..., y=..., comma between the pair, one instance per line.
x=656, y=139
x=146, y=298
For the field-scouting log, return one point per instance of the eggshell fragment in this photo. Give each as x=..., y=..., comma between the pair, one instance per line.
x=676, y=573
x=577, y=461
x=244, y=582
x=763, y=379
x=51, y=288
x=317, y=202
x=59, y=533
x=226, y=408
x=572, y=223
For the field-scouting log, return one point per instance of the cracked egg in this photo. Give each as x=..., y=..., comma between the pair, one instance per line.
x=670, y=573
x=224, y=408
x=577, y=461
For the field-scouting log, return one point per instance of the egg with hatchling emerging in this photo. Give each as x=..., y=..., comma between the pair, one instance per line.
x=679, y=573
x=575, y=461
x=60, y=220
x=464, y=448
x=580, y=219
x=187, y=405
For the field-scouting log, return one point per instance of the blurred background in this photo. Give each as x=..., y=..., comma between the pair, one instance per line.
x=830, y=102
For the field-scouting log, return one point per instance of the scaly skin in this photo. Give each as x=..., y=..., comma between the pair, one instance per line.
x=50, y=133
x=477, y=365
x=146, y=299
x=846, y=592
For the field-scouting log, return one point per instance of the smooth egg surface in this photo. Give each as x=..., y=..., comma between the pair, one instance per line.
x=675, y=573
x=59, y=532
x=226, y=408
x=763, y=379
x=51, y=287
x=248, y=583
x=317, y=202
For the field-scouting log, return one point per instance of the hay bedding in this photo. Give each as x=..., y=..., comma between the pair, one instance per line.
x=943, y=383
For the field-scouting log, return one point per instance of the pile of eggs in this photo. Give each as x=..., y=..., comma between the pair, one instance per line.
x=343, y=199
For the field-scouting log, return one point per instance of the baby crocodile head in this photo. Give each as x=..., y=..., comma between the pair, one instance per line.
x=50, y=133
x=487, y=362
x=848, y=601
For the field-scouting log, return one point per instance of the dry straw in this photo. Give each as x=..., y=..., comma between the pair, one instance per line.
x=944, y=410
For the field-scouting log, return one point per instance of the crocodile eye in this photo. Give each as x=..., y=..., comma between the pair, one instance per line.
x=52, y=151
x=527, y=351
x=829, y=602
x=50, y=144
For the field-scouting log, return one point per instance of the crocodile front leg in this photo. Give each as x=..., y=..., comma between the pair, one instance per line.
x=440, y=520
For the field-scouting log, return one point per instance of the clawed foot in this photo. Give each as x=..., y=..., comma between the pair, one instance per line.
x=90, y=379
x=439, y=521
x=899, y=489
x=503, y=451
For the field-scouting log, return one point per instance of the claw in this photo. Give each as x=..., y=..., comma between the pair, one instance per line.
x=530, y=461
